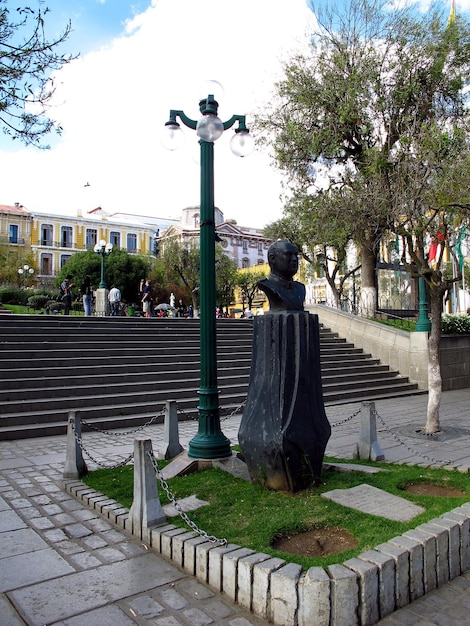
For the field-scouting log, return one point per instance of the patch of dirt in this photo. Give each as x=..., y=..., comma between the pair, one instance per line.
x=316, y=542
x=430, y=489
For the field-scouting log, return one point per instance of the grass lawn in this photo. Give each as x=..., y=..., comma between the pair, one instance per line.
x=253, y=517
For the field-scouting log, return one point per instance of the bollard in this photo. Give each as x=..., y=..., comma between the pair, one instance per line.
x=146, y=510
x=75, y=466
x=368, y=446
x=171, y=446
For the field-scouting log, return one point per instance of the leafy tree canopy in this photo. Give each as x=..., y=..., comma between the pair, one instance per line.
x=27, y=62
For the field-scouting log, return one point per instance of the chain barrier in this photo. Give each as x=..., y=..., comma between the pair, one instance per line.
x=125, y=432
x=99, y=463
x=181, y=513
x=409, y=448
x=235, y=411
x=348, y=419
x=194, y=418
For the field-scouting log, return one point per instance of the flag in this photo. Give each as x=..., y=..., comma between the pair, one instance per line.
x=458, y=246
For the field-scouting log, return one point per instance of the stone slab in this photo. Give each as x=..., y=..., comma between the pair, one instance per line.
x=19, y=542
x=33, y=567
x=191, y=503
x=51, y=601
x=9, y=520
x=375, y=501
x=352, y=467
x=8, y=615
x=105, y=616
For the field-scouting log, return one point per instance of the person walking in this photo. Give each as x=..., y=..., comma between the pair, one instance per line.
x=66, y=289
x=114, y=297
x=147, y=298
x=87, y=294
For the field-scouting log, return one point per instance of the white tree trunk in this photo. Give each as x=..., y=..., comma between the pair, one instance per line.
x=434, y=367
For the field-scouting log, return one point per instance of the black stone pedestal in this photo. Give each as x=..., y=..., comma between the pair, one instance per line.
x=284, y=428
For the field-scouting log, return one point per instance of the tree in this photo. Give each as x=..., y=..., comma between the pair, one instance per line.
x=27, y=61
x=248, y=284
x=122, y=270
x=226, y=279
x=374, y=123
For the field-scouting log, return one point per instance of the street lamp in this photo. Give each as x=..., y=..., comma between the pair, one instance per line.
x=104, y=249
x=209, y=442
x=24, y=271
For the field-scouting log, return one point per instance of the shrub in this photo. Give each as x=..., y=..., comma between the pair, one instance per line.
x=13, y=295
x=53, y=305
x=455, y=324
x=37, y=302
x=77, y=306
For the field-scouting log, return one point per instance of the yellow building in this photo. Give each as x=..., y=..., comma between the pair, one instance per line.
x=52, y=239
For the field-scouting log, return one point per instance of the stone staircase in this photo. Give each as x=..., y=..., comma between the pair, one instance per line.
x=119, y=371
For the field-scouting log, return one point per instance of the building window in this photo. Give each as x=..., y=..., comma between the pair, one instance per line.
x=196, y=220
x=131, y=242
x=260, y=261
x=245, y=262
x=245, y=246
x=46, y=265
x=91, y=237
x=115, y=238
x=46, y=235
x=13, y=238
x=64, y=258
x=260, y=247
x=66, y=236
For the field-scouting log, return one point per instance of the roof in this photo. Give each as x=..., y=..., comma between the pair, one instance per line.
x=17, y=209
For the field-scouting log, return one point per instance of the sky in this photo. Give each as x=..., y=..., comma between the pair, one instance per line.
x=137, y=61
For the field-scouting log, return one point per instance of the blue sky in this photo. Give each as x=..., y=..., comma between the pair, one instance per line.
x=137, y=61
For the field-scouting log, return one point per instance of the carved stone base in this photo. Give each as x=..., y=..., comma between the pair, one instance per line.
x=284, y=428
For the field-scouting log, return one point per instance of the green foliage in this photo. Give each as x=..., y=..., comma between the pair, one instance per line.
x=122, y=270
x=251, y=516
x=248, y=284
x=456, y=324
x=13, y=295
x=28, y=60
x=37, y=302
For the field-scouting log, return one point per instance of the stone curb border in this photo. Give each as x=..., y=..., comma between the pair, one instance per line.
x=359, y=592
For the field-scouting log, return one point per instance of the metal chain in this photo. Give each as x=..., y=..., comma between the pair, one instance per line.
x=348, y=419
x=182, y=514
x=125, y=432
x=235, y=411
x=409, y=448
x=83, y=449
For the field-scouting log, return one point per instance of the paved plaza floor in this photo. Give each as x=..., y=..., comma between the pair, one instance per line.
x=61, y=563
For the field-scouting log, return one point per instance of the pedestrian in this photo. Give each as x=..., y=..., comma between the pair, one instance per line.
x=114, y=297
x=66, y=289
x=87, y=294
x=180, y=309
x=147, y=298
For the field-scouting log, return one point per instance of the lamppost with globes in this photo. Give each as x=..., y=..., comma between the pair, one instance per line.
x=104, y=249
x=24, y=271
x=209, y=442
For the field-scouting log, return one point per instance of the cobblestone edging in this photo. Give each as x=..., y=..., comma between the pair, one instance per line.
x=359, y=592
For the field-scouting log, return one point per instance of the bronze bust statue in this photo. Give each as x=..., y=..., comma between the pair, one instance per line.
x=284, y=293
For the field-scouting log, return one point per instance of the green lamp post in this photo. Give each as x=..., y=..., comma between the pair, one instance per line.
x=209, y=442
x=423, y=323
x=104, y=249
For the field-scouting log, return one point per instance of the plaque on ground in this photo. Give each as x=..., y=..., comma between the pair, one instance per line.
x=374, y=501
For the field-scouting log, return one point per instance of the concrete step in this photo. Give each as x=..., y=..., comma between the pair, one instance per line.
x=120, y=372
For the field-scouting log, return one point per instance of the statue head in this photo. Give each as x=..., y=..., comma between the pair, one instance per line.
x=283, y=259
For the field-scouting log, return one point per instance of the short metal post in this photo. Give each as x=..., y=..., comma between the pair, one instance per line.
x=146, y=510
x=75, y=466
x=368, y=447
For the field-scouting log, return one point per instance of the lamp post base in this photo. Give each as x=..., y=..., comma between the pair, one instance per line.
x=101, y=302
x=209, y=442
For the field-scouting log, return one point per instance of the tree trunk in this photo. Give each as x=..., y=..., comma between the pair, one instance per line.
x=434, y=367
x=368, y=304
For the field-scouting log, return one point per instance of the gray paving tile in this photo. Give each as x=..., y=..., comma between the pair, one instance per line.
x=20, y=541
x=49, y=602
x=106, y=616
x=8, y=614
x=33, y=567
x=9, y=520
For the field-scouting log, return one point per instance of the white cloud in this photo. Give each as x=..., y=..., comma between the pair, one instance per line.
x=112, y=104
